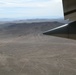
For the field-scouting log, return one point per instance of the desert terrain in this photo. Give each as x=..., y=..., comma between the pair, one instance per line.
x=24, y=50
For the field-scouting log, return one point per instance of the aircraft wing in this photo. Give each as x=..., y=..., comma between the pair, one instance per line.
x=69, y=9
x=67, y=30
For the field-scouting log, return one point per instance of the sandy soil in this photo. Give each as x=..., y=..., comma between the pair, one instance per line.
x=37, y=55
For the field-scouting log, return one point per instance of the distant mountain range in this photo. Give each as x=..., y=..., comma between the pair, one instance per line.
x=6, y=20
x=22, y=29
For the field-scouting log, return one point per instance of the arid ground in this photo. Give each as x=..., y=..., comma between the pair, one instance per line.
x=35, y=53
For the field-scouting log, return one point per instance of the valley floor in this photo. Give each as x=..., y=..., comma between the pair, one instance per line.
x=37, y=55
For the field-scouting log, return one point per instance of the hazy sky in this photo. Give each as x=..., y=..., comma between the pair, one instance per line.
x=31, y=9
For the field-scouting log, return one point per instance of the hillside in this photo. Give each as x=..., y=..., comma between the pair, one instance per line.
x=21, y=29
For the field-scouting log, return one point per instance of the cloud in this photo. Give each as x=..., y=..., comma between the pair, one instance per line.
x=26, y=3
x=31, y=8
